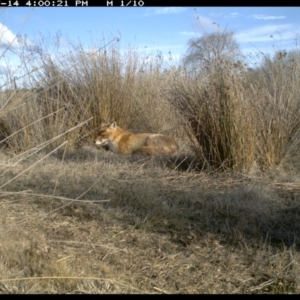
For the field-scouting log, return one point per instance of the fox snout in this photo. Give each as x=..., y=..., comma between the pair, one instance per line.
x=101, y=142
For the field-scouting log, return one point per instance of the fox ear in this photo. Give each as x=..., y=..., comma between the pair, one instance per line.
x=113, y=125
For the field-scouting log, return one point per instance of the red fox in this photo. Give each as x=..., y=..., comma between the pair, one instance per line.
x=124, y=142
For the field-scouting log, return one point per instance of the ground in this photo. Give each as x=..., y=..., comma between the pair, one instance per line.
x=91, y=221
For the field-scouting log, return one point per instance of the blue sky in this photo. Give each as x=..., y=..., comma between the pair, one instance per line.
x=157, y=28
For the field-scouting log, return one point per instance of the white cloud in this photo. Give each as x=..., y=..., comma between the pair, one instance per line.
x=206, y=24
x=3, y=68
x=169, y=10
x=231, y=15
x=7, y=37
x=265, y=17
x=266, y=33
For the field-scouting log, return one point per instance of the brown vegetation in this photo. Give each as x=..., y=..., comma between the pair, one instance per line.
x=222, y=217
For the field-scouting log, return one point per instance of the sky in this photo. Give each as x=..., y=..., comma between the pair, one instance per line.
x=164, y=29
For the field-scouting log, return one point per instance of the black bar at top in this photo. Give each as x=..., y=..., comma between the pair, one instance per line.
x=132, y=3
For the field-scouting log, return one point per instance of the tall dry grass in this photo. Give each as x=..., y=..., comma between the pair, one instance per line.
x=233, y=117
x=65, y=90
x=236, y=117
x=218, y=118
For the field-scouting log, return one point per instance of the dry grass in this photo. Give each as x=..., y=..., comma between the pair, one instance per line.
x=82, y=220
x=236, y=117
x=66, y=90
x=162, y=231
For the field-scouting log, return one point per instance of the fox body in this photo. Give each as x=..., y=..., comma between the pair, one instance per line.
x=124, y=142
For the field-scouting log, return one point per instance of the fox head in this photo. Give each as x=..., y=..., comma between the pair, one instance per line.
x=106, y=130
